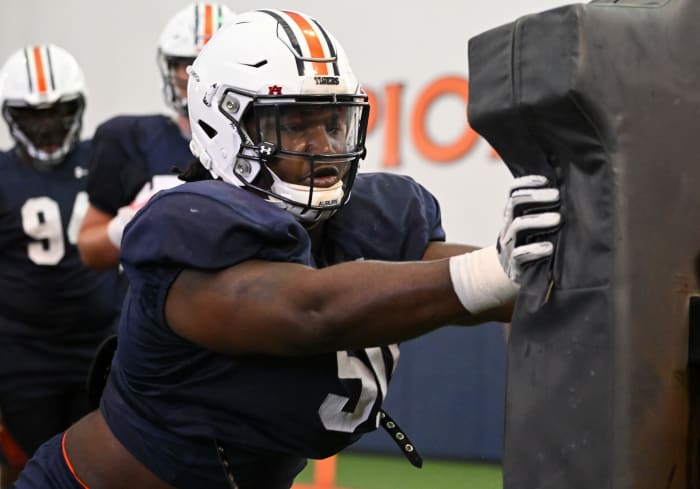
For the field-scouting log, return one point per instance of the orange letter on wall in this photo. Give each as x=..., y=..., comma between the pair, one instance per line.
x=426, y=146
x=392, y=130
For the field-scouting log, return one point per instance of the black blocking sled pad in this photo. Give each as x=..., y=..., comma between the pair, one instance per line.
x=604, y=99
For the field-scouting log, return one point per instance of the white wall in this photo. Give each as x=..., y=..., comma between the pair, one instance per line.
x=388, y=43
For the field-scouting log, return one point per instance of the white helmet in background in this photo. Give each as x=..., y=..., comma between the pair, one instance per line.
x=182, y=39
x=42, y=94
x=274, y=91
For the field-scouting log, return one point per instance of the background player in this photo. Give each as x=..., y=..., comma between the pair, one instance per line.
x=133, y=156
x=53, y=310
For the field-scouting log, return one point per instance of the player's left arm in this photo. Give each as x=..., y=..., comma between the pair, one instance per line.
x=438, y=249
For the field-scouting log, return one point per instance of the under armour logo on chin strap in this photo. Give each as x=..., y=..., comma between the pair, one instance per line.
x=267, y=150
x=274, y=90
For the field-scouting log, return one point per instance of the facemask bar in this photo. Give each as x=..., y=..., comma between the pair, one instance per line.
x=266, y=152
x=170, y=90
x=71, y=123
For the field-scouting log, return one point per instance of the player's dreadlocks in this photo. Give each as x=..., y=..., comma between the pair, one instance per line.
x=193, y=173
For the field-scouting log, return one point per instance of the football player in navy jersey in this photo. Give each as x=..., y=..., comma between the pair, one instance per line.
x=133, y=156
x=269, y=293
x=54, y=311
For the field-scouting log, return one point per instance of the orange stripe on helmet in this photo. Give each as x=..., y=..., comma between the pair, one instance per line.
x=39, y=69
x=208, y=22
x=315, y=46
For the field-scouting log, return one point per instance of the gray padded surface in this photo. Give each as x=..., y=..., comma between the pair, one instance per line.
x=604, y=98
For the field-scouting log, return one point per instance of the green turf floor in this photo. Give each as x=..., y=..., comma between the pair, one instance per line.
x=356, y=471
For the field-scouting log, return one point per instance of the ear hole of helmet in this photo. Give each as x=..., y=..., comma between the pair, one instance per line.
x=208, y=130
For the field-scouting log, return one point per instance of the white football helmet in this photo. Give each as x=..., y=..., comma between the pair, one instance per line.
x=42, y=93
x=272, y=95
x=182, y=39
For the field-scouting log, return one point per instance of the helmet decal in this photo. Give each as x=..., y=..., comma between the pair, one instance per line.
x=38, y=67
x=206, y=22
x=308, y=40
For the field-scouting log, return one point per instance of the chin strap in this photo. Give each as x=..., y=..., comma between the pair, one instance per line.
x=322, y=197
x=223, y=460
x=408, y=449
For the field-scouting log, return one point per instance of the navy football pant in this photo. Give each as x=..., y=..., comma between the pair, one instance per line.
x=48, y=469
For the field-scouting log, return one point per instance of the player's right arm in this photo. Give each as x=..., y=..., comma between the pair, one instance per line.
x=278, y=308
x=227, y=271
x=115, y=175
x=291, y=309
x=96, y=248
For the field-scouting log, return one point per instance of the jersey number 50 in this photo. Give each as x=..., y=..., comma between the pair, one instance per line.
x=374, y=378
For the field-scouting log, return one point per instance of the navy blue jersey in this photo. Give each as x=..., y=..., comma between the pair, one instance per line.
x=127, y=151
x=49, y=302
x=168, y=399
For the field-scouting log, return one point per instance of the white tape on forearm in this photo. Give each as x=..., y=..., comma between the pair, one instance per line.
x=479, y=280
x=115, y=227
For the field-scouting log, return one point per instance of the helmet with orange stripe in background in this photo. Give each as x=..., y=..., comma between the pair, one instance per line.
x=275, y=106
x=42, y=94
x=182, y=39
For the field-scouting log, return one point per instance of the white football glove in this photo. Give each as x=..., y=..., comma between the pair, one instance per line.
x=489, y=277
x=530, y=211
x=115, y=228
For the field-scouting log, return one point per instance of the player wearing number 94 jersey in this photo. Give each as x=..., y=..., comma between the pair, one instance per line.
x=53, y=310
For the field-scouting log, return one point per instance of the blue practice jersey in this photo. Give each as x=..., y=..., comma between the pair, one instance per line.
x=128, y=151
x=168, y=399
x=53, y=310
